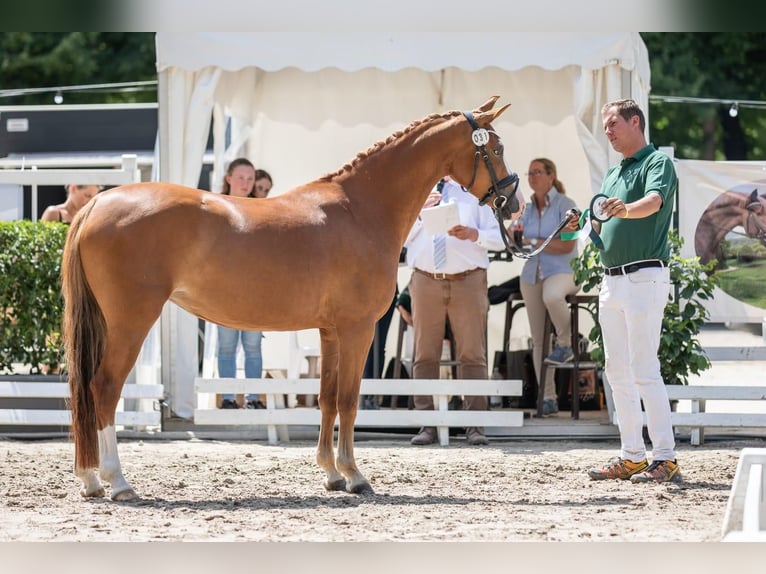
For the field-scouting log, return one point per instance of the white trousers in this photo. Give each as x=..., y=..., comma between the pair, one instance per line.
x=631, y=308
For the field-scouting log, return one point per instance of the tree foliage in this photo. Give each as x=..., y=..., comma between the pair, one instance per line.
x=50, y=59
x=708, y=65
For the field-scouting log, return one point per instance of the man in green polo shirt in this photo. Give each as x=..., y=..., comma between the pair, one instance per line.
x=634, y=293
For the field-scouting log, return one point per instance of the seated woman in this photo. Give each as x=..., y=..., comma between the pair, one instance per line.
x=547, y=278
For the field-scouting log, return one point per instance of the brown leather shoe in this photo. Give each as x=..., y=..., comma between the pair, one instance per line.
x=427, y=435
x=475, y=437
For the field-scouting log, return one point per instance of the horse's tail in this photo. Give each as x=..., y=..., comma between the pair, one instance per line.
x=84, y=330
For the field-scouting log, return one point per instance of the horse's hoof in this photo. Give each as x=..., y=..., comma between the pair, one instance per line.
x=128, y=495
x=361, y=488
x=339, y=484
x=97, y=493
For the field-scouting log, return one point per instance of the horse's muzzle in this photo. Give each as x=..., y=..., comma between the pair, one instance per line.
x=506, y=201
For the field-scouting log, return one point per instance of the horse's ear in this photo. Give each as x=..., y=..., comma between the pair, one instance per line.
x=488, y=105
x=487, y=117
x=754, y=196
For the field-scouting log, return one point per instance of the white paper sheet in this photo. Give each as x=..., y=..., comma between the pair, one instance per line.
x=440, y=218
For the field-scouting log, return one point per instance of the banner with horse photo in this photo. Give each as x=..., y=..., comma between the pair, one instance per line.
x=722, y=216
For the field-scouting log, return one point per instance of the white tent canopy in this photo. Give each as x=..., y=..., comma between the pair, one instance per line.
x=303, y=104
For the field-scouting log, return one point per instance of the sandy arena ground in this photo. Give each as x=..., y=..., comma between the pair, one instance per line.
x=511, y=490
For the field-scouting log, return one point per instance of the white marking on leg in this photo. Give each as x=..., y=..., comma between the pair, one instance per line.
x=110, y=469
x=91, y=484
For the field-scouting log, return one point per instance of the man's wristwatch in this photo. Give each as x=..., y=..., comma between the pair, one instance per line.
x=533, y=242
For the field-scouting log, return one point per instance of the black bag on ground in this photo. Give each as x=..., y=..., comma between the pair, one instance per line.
x=518, y=365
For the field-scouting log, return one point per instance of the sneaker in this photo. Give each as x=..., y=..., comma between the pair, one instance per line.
x=229, y=404
x=550, y=406
x=255, y=404
x=560, y=355
x=619, y=468
x=475, y=437
x=427, y=435
x=659, y=471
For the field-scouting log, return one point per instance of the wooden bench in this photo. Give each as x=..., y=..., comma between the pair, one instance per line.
x=698, y=418
x=442, y=418
x=745, y=518
x=63, y=417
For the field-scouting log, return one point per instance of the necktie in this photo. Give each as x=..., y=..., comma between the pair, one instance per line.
x=440, y=251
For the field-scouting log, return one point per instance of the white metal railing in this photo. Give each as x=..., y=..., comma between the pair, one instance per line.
x=33, y=177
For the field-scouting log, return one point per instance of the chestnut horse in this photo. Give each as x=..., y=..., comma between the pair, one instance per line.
x=323, y=255
x=727, y=211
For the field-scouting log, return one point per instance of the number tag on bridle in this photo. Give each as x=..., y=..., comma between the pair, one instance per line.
x=480, y=137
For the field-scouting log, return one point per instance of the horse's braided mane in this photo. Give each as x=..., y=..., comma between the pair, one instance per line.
x=383, y=143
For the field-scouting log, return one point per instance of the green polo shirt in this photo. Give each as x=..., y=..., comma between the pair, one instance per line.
x=628, y=240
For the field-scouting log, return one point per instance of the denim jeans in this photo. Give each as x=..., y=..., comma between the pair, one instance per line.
x=228, y=342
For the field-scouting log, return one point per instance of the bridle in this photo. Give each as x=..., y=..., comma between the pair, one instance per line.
x=503, y=203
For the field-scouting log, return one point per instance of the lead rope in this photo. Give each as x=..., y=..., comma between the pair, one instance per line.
x=514, y=249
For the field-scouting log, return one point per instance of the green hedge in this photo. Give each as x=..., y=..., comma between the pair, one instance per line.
x=31, y=304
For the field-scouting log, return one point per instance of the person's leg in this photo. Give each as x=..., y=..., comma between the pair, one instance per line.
x=650, y=289
x=613, y=300
x=251, y=344
x=535, y=307
x=428, y=322
x=227, y=355
x=467, y=311
x=554, y=292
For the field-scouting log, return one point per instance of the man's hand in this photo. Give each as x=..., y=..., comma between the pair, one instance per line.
x=464, y=232
x=574, y=223
x=433, y=198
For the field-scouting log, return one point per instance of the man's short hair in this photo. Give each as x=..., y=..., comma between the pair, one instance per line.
x=627, y=109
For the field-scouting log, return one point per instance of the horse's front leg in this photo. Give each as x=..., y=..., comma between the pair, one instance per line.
x=358, y=484
x=355, y=344
x=328, y=393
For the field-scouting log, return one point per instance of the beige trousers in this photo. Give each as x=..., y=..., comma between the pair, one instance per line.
x=466, y=304
x=549, y=294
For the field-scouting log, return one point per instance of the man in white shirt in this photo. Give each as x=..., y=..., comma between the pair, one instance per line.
x=452, y=284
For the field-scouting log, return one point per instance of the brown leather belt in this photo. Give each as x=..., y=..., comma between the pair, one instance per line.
x=448, y=276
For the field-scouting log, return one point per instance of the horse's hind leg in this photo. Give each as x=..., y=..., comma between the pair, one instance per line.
x=92, y=487
x=119, y=356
